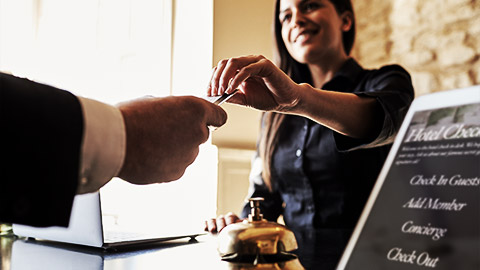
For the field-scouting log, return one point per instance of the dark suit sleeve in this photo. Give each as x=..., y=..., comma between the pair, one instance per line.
x=41, y=129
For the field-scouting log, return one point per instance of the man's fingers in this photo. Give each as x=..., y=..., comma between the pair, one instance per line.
x=215, y=116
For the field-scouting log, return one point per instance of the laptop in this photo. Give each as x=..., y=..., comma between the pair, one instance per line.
x=87, y=228
x=424, y=210
x=60, y=256
x=123, y=214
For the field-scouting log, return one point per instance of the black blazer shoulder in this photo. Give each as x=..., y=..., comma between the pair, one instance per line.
x=41, y=130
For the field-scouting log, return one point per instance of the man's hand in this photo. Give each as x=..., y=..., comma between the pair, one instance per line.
x=163, y=136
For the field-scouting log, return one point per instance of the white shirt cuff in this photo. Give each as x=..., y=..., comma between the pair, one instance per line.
x=103, y=147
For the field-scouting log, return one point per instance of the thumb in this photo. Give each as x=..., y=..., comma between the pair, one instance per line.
x=215, y=115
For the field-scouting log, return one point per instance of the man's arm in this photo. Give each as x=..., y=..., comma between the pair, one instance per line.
x=44, y=149
x=40, y=137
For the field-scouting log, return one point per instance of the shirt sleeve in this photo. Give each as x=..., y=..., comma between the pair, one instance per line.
x=104, y=145
x=392, y=87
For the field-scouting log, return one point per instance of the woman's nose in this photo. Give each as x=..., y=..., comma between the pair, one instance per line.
x=298, y=18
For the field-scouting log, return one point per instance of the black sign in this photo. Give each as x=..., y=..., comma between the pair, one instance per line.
x=427, y=213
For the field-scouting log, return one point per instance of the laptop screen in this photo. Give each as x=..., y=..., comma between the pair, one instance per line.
x=424, y=211
x=134, y=214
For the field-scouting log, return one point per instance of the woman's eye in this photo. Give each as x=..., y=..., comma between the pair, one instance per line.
x=285, y=18
x=310, y=6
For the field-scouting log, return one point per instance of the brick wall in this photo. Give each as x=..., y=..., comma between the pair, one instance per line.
x=437, y=41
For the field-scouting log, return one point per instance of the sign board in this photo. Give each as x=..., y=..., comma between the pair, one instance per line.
x=424, y=212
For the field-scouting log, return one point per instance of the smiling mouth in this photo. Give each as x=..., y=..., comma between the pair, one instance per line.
x=304, y=35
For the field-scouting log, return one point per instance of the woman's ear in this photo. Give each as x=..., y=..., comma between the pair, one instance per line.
x=347, y=21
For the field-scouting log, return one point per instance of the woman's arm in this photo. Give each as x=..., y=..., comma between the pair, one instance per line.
x=346, y=113
x=265, y=87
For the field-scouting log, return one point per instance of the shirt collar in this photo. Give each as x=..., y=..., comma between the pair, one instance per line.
x=346, y=77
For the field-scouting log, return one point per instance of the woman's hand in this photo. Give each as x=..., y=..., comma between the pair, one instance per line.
x=215, y=225
x=262, y=85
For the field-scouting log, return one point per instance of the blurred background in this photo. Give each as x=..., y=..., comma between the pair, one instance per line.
x=114, y=50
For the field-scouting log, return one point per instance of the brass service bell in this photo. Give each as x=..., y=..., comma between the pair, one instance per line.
x=256, y=240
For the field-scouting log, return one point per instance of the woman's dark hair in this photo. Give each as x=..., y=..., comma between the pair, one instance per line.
x=300, y=74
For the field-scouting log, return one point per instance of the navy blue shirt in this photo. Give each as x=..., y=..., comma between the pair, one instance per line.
x=322, y=179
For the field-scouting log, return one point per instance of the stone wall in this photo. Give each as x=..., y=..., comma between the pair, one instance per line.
x=437, y=41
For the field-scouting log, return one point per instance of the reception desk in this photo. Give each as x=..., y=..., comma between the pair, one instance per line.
x=315, y=251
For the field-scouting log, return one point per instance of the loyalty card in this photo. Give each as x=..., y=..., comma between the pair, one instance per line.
x=220, y=99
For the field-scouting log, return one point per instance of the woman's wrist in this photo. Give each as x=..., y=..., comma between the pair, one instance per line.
x=304, y=95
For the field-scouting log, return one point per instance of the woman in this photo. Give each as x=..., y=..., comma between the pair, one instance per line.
x=328, y=123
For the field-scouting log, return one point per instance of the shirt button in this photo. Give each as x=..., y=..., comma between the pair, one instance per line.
x=310, y=208
x=83, y=181
x=298, y=153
